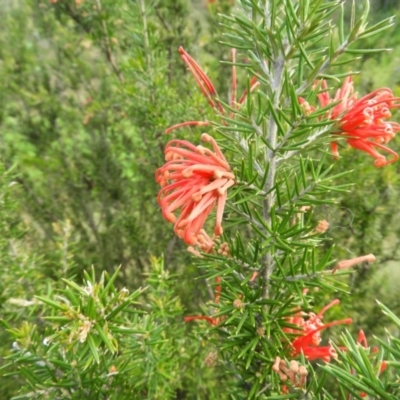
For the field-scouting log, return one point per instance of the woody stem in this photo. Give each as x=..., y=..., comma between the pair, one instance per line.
x=272, y=135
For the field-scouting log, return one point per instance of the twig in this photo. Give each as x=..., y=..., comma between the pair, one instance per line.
x=276, y=86
x=145, y=33
x=107, y=46
x=325, y=65
x=310, y=140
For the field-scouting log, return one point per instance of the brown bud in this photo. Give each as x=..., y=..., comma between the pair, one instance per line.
x=211, y=359
x=260, y=331
x=275, y=366
x=112, y=369
x=294, y=366
x=238, y=303
x=303, y=371
x=369, y=258
x=322, y=226
x=282, y=376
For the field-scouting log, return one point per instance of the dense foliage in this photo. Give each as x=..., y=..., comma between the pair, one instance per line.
x=96, y=286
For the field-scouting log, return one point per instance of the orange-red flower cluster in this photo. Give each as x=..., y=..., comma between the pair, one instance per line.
x=309, y=334
x=194, y=181
x=362, y=121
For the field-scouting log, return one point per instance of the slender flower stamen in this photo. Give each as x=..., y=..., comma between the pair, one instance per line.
x=186, y=123
x=203, y=81
x=210, y=93
x=211, y=320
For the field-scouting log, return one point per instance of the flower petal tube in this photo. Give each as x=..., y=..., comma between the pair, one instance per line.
x=193, y=182
x=210, y=93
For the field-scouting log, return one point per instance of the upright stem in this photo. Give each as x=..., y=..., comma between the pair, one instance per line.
x=146, y=42
x=272, y=136
x=145, y=33
x=107, y=45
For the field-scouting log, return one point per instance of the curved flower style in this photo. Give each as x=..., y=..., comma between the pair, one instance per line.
x=361, y=120
x=194, y=180
x=211, y=320
x=209, y=91
x=309, y=334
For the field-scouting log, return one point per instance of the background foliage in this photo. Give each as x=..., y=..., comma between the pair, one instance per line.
x=87, y=88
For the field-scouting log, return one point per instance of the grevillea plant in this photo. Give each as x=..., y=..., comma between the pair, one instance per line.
x=269, y=170
x=249, y=186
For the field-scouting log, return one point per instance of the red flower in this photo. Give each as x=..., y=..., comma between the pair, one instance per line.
x=194, y=180
x=361, y=120
x=309, y=334
x=209, y=91
x=211, y=320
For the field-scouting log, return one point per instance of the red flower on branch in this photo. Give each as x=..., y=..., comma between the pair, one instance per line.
x=209, y=91
x=361, y=121
x=309, y=334
x=193, y=182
